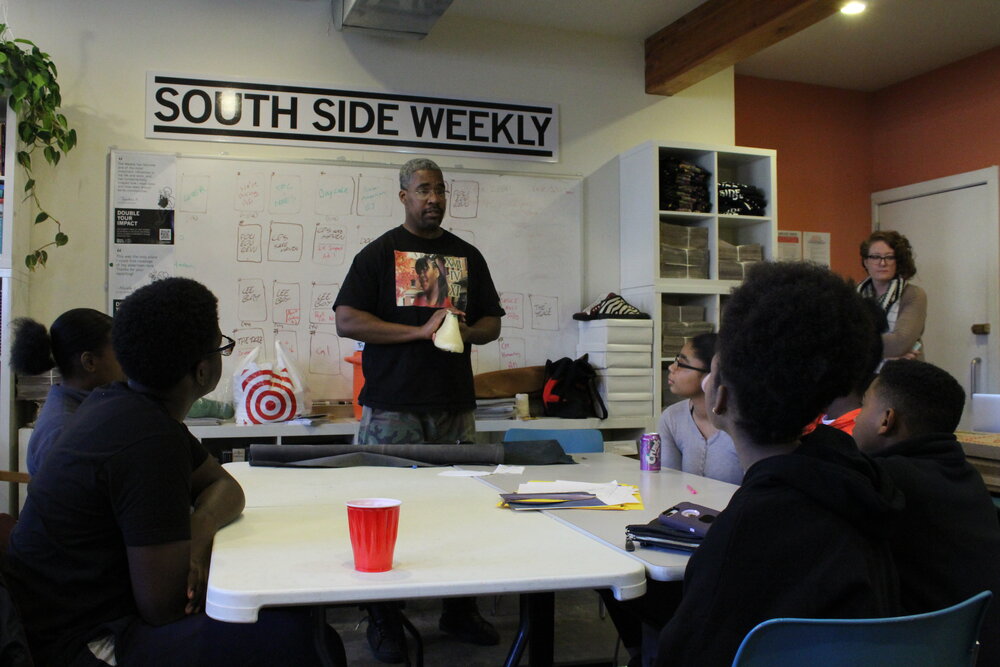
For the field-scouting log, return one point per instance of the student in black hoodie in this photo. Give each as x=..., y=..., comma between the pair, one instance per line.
x=803, y=536
x=947, y=541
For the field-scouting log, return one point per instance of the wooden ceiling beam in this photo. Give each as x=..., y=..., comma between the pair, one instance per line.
x=719, y=33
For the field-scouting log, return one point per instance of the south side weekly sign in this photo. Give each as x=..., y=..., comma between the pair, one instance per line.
x=263, y=112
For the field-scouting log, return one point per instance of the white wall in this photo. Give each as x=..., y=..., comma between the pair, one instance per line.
x=103, y=49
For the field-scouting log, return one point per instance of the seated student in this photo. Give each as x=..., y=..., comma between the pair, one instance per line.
x=688, y=440
x=803, y=534
x=109, y=560
x=79, y=345
x=843, y=411
x=947, y=541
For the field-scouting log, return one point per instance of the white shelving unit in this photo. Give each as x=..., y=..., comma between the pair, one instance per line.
x=641, y=217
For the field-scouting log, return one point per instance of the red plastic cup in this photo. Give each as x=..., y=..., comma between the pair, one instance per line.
x=373, y=523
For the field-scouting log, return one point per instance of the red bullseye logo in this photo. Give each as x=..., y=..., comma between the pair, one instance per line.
x=268, y=397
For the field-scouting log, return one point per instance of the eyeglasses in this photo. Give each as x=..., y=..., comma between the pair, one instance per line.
x=226, y=349
x=425, y=193
x=881, y=259
x=681, y=364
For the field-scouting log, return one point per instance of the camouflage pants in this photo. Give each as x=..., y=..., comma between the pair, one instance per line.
x=387, y=427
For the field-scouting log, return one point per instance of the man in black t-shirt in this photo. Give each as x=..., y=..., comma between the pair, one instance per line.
x=109, y=560
x=415, y=392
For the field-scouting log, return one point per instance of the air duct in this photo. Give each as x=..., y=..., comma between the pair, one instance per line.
x=389, y=18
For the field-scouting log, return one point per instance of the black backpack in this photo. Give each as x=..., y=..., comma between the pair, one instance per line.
x=570, y=390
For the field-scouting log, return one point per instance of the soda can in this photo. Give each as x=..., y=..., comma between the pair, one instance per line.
x=649, y=452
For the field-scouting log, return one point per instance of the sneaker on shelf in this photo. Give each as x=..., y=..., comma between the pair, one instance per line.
x=611, y=307
x=469, y=627
x=385, y=633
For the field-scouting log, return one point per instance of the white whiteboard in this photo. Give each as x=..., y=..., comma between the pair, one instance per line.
x=274, y=240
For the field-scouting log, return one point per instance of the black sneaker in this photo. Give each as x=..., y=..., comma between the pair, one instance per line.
x=385, y=633
x=470, y=627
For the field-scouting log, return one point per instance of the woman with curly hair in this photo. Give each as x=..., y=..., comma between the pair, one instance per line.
x=888, y=259
x=79, y=344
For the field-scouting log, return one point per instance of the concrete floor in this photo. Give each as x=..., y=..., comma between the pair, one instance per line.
x=582, y=637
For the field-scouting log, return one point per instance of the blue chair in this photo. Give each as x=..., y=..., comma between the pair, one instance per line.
x=944, y=638
x=573, y=440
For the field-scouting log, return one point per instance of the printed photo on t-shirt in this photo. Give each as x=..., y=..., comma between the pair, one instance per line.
x=435, y=281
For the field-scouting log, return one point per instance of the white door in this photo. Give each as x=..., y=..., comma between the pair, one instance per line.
x=953, y=224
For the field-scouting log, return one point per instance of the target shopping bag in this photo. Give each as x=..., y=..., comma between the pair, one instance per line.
x=266, y=392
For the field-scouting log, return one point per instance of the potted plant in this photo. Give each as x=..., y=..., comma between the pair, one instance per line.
x=28, y=79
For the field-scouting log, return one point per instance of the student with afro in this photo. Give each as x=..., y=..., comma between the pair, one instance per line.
x=947, y=541
x=109, y=560
x=803, y=535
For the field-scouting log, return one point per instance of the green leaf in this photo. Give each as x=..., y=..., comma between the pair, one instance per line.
x=29, y=184
x=30, y=261
x=61, y=239
x=41, y=217
x=43, y=257
x=51, y=156
x=24, y=159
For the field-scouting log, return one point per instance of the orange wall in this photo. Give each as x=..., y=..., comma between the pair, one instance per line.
x=835, y=147
x=937, y=124
x=823, y=140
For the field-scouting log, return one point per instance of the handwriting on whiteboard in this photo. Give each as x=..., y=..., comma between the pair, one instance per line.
x=249, y=192
x=252, y=304
x=513, y=306
x=324, y=353
x=323, y=296
x=285, y=244
x=334, y=194
x=544, y=312
x=248, y=243
x=375, y=197
x=194, y=193
x=329, y=243
x=511, y=353
x=287, y=307
x=285, y=195
x=463, y=202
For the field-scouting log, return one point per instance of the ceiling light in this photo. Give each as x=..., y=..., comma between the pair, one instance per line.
x=853, y=7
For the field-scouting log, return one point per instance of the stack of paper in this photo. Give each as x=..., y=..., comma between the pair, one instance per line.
x=495, y=408
x=563, y=494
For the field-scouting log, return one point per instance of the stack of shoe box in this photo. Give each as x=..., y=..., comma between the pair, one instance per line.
x=680, y=325
x=621, y=352
x=734, y=260
x=683, y=251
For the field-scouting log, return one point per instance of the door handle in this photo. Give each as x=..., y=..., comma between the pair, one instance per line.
x=981, y=329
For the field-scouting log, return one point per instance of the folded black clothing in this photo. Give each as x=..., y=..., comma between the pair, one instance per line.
x=407, y=455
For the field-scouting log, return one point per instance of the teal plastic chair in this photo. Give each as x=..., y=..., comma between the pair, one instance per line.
x=573, y=440
x=944, y=638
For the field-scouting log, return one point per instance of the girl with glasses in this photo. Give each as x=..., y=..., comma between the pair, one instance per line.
x=887, y=257
x=688, y=440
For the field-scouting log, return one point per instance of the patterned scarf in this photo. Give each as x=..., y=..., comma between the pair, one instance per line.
x=889, y=301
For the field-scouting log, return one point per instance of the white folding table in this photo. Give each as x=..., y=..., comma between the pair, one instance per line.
x=292, y=547
x=659, y=490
